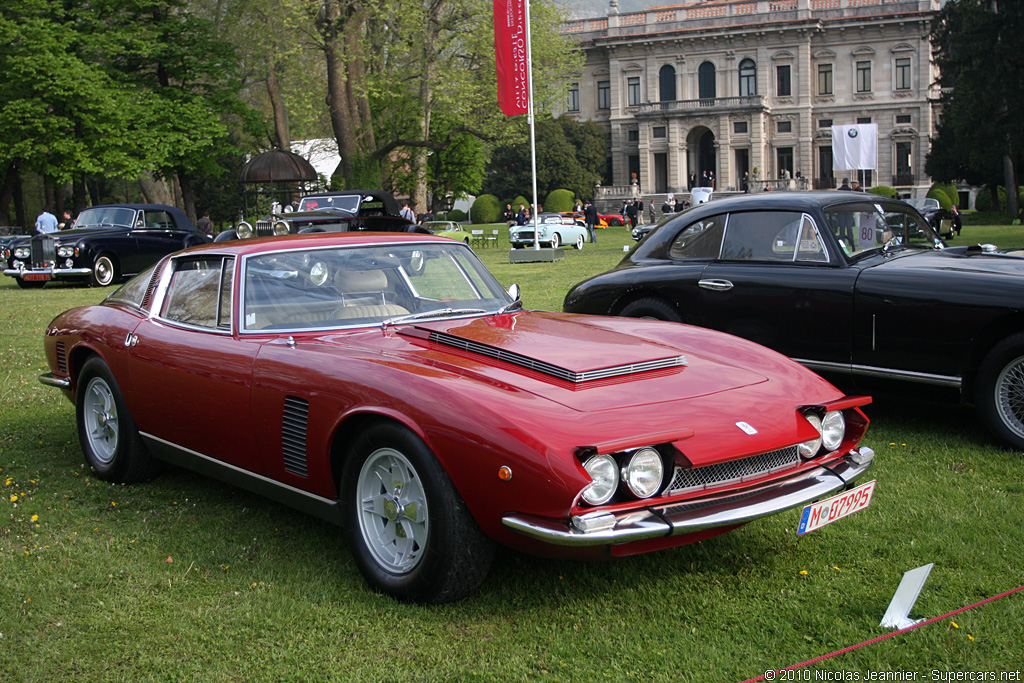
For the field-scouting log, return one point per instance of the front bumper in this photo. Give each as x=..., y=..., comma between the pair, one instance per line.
x=48, y=273
x=736, y=507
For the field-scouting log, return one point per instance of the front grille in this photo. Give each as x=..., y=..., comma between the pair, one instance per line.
x=263, y=229
x=554, y=370
x=44, y=250
x=293, y=435
x=524, y=236
x=733, y=471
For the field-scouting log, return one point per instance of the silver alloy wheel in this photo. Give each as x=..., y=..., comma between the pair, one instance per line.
x=392, y=511
x=103, y=271
x=1009, y=395
x=100, y=414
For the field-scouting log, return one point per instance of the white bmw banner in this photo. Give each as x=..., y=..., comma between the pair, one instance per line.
x=855, y=147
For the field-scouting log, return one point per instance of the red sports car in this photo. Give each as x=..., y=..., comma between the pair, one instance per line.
x=386, y=382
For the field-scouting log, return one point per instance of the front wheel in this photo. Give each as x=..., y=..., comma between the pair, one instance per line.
x=103, y=271
x=1000, y=394
x=556, y=241
x=109, y=438
x=411, y=534
x=579, y=242
x=652, y=309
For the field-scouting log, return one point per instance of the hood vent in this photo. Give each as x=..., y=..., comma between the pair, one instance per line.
x=555, y=370
x=293, y=435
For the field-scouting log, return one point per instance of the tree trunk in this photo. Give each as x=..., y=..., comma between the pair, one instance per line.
x=7, y=193
x=155, y=191
x=281, y=132
x=188, y=196
x=1010, y=183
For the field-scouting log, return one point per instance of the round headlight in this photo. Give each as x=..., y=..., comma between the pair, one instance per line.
x=643, y=473
x=21, y=252
x=833, y=429
x=65, y=252
x=602, y=469
x=809, y=449
x=318, y=273
x=281, y=228
x=244, y=230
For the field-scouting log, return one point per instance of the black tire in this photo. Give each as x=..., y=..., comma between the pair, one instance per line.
x=615, y=222
x=556, y=241
x=651, y=308
x=109, y=438
x=447, y=555
x=30, y=284
x=104, y=271
x=1000, y=391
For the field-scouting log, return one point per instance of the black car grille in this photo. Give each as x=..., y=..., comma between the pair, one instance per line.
x=733, y=471
x=44, y=250
x=521, y=236
x=263, y=229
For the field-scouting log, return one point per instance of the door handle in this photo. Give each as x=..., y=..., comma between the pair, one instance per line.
x=131, y=340
x=715, y=285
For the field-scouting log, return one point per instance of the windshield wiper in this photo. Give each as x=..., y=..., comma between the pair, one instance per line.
x=516, y=305
x=439, y=313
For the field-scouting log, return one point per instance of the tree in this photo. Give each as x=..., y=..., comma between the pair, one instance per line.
x=981, y=136
x=570, y=155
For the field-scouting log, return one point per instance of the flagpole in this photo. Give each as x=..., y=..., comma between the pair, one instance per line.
x=529, y=118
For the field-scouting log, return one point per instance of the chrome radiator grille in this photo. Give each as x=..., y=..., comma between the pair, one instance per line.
x=44, y=250
x=263, y=229
x=732, y=472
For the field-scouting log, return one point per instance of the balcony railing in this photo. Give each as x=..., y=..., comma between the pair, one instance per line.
x=702, y=106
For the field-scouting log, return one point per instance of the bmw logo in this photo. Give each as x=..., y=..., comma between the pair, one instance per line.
x=852, y=132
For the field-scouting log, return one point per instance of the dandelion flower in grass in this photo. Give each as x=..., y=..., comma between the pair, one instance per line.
x=955, y=625
x=14, y=498
x=35, y=518
x=970, y=637
x=803, y=572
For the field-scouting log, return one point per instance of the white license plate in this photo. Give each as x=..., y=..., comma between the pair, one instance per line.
x=817, y=515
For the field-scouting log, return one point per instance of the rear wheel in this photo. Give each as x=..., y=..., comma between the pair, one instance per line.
x=104, y=272
x=652, y=309
x=109, y=438
x=409, y=530
x=1000, y=397
x=615, y=222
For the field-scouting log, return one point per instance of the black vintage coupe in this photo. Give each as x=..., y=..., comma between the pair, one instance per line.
x=344, y=211
x=106, y=243
x=854, y=286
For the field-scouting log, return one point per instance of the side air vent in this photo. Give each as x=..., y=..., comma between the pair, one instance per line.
x=148, y=296
x=554, y=370
x=62, y=358
x=293, y=435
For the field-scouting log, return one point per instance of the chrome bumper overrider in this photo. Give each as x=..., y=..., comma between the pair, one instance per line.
x=51, y=380
x=705, y=513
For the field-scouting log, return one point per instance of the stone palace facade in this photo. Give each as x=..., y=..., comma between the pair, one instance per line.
x=754, y=87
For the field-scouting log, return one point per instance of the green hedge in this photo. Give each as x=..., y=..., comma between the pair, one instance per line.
x=559, y=201
x=884, y=191
x=984, y=201
x=457, y=215
x=486, y=209
x=940, y=194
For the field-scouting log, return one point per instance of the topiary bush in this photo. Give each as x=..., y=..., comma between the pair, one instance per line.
x=940, y=194
x=486, y=209
x=984, y=201
x=559, y=201
x=884, y=191
x=457, y=215
x=520, y=201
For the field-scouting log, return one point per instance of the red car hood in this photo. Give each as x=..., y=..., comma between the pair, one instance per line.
x=595, y=367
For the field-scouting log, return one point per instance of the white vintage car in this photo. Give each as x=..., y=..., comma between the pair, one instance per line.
x=553, y=230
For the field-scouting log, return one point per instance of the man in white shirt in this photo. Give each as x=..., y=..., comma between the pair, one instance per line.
x=407, y=213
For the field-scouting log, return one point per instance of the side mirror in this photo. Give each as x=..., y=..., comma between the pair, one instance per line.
x=513, y=291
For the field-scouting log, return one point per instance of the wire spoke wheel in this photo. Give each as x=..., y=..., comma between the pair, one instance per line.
x=1009, y=398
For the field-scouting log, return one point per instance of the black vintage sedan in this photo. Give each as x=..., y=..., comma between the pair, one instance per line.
x=854, y=286
x=340, y=211
x=106, y=243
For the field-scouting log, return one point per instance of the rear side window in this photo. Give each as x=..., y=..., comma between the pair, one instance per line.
x=771, y=236
x=699, y=240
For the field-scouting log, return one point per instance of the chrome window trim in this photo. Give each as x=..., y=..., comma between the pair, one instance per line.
x=954, y=381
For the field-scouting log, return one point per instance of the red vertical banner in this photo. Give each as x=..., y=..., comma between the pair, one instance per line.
x=510, y=56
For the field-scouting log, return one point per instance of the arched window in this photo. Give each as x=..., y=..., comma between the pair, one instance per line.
x=748, y=78
x=667, y=83
x=706, y=81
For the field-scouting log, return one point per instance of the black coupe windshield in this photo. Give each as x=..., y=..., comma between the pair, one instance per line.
x=861, y=228
x=105, y=216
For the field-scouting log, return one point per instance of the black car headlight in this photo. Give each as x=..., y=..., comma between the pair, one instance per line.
x=65, y=252
x=244, y=230
x=22, y=252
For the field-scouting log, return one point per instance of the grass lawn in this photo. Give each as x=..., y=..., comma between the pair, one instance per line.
x=183, y=579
